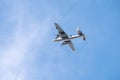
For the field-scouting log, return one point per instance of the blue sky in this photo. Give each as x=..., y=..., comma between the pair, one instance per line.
x=26, y=31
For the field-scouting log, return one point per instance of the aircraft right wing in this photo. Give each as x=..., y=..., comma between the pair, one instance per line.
x=61, y=32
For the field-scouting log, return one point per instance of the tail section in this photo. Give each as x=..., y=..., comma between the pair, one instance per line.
x=80, y=33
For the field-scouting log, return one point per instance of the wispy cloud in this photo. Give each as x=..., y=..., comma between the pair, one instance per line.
x=26, y=32
x=30, y=28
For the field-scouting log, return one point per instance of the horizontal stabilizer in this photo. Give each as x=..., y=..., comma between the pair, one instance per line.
x=80, y=33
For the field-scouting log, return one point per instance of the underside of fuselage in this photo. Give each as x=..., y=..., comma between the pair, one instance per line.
x=65, y=39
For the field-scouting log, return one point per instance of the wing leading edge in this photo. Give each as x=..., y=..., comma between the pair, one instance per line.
x=61, y=32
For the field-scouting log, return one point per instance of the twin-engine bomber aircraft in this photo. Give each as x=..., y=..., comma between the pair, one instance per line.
x=62, y=36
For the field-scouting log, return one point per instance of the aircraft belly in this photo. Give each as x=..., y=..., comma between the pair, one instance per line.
x=65, y=39
x=62, y=39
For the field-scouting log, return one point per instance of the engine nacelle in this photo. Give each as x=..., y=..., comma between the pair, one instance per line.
x=58, y=35
x=65, y=42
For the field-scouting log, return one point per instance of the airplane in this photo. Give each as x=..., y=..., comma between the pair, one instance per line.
x=66, y=40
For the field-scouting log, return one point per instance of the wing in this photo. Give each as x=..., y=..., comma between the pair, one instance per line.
x=61, y=32
x=69, y=42
x=71, y=46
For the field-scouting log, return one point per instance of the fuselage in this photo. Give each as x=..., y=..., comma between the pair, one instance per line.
x=69, y=38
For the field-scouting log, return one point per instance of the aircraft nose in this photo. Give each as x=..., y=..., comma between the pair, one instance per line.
x=53, y=40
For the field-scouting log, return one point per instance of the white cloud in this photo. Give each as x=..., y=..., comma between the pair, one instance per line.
x=25, y=34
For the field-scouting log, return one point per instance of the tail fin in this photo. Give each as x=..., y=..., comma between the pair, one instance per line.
x=80, y=33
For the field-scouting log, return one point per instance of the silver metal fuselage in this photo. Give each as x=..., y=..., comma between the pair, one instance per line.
x=69, y=38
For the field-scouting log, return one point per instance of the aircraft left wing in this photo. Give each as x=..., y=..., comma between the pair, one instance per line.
x=69, y=42
x=71, y=46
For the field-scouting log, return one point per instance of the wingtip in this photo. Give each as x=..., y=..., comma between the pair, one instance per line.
x=73, y=50
x=55, y=23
